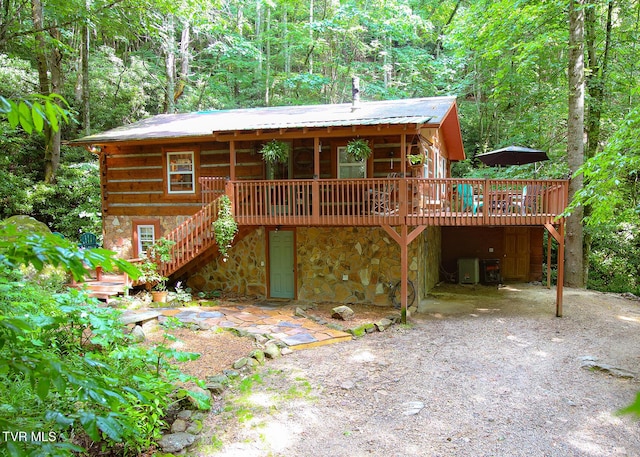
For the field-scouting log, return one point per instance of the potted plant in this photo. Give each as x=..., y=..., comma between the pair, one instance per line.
x=275, y=152
x=155, y=282
x=415, y=160
x=359, y=149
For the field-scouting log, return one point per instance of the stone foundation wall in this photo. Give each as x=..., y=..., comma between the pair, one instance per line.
x=431, y=258
x=349, y=265
x=344, y=265
x=118, y=231
x=243, y=273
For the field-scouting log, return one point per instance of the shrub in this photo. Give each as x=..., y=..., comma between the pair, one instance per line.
x=69, y=375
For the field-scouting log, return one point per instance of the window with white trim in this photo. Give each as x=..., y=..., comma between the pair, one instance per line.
x=146, y=238
x=181, y=177
x=348, y=167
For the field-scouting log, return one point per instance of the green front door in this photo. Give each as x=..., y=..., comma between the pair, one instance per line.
x=281, y=266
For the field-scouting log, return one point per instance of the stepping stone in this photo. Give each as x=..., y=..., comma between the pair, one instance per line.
x=207, y=314
x=138, y=318
x=185, y=315
x=288, y=324
x=300, y=338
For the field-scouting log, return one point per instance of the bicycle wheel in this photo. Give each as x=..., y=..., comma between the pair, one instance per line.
x=396, y=298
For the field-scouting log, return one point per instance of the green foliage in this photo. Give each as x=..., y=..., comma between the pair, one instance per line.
x=275, y=152
x=34, y=113
x=159, y=252
x=71, y=205
x=225, y=226
x=612, y=181
x=359, y=149
x=633, y=408
x=66, y=366
x=614, y=259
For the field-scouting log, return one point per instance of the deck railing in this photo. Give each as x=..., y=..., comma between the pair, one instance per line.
x=212, y=187
x=394, y=201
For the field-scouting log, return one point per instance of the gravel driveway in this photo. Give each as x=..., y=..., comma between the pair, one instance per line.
x=480, y=372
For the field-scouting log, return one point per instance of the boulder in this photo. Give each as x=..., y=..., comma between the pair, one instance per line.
x=176, y=442
x=137, y=334
x=258, y=355
x=179, y=425
x=272, y=351
x=383, y=324
x=26, y=224
x=342, y=312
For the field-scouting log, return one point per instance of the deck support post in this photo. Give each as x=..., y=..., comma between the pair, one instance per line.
x=404, y=238
x=549, y=262
x=232, y=160
x=558, y=235
x=315, y=185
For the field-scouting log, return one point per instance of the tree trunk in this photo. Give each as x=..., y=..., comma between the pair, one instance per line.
x=52, y=158
x=574, y=272
x=170, y=64
x=596, y=79
x=185, y=41
x=84, y=56
x=267, y=76
x=46, y=87
x=311, y=45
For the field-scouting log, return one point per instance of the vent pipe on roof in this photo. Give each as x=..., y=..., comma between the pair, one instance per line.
x=355, y=93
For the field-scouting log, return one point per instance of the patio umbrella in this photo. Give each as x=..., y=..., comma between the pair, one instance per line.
x=512, y=155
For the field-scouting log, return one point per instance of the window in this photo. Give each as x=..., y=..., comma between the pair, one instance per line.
x=145, y=233
x=181, y=172
x=146, y=238
x=348, y=167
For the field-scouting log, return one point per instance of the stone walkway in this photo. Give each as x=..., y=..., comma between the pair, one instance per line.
x=276, y=321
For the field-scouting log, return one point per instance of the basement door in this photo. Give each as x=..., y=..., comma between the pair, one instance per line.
x=515, y=265
x=281, y=264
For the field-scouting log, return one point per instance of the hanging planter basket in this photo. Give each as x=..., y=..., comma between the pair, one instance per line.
x=275, y=152
x=415, y=160
x=359, y=149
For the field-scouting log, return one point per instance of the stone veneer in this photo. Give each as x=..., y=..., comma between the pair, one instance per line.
x=243, y=273
x=344, y=265
x=348, y=264
x=118, y=231
x=340, y=264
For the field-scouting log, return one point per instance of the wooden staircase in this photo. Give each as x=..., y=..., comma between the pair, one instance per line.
x=192, y=238
x=194, y=246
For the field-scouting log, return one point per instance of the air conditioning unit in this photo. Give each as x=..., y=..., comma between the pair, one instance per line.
x=468, y=271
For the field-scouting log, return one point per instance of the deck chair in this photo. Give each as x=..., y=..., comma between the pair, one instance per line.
x=88, y=241
x=384, y=200
x=529, y=202
x=467, y=199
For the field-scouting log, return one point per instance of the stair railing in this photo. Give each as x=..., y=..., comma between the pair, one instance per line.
x=191, y=237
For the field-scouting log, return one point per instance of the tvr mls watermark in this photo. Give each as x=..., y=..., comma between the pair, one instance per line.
x=30, y=437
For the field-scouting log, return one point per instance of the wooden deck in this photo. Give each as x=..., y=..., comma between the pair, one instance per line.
x=395, y=201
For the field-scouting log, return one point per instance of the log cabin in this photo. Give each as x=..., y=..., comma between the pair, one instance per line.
x=322, y=225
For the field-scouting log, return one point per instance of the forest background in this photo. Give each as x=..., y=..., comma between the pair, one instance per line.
x=118, y=61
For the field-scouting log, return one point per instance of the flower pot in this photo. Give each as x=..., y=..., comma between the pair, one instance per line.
x=159, y=296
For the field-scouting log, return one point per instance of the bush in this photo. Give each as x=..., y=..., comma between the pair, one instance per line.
x=614, y=260
x=69, y=375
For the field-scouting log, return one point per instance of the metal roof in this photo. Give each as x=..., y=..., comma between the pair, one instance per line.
x=431, y=110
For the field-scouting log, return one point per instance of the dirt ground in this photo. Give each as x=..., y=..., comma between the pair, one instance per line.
x=480, y=371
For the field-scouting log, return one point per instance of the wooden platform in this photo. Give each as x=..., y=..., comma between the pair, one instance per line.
x=104, y=288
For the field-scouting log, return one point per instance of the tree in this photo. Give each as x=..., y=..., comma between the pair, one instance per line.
x=50, y=81
x=575, y=143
